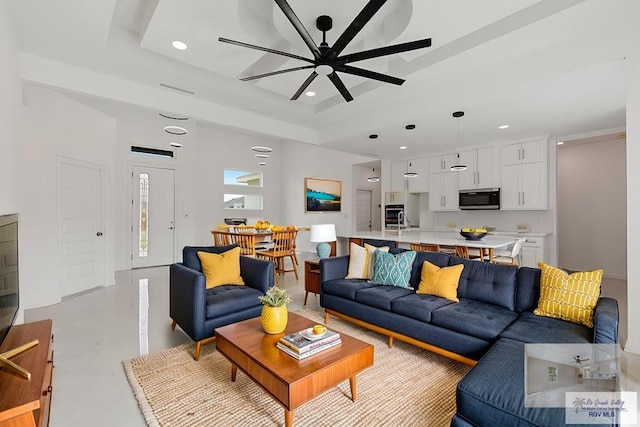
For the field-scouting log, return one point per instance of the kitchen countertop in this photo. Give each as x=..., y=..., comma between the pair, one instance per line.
x=515, y=233
x=449, y=238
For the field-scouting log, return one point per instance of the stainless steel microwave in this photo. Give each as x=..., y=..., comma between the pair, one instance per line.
x=488, y=198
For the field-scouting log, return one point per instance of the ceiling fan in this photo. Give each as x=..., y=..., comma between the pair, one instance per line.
x=326, y=59
x=578, y=360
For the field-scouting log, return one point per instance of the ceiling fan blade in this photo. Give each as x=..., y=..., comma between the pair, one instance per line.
x=304, y=34
x=354, y=28
x=340, y=86
x=264, y=49
x=370, y=74
x=383, y=51
x=275, y=73
x=304, y=86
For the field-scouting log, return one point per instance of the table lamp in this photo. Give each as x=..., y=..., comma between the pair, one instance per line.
x=322, y=234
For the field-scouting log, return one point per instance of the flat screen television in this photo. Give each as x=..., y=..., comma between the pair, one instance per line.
x=9, y=291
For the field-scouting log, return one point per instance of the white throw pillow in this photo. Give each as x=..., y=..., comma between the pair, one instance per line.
x=361, y=260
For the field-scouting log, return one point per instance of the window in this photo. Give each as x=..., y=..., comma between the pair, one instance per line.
x=243, y=201
x=243, y=178
x=143, y=236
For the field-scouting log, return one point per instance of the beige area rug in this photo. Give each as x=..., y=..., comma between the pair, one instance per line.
x=406, y=386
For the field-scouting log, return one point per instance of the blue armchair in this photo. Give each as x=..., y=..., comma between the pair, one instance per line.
x=198, y=310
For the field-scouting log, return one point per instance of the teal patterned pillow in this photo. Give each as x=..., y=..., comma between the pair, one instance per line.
x=393, y=270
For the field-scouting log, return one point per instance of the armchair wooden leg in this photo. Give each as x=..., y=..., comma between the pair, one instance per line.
x=199, y=345
x=173, y=325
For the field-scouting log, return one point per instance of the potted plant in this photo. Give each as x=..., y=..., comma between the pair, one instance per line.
x=274, y=310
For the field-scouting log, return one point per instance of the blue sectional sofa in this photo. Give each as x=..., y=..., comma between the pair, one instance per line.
x=487, y=328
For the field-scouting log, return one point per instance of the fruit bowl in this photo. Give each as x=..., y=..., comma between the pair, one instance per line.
x=473, y=233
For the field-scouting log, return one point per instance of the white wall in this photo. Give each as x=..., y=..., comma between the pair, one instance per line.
x=300, y=161
x=10, y=117
x=56, y=125
x=592, y=207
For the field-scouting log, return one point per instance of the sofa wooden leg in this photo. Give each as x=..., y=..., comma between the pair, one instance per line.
x=326, y=318
x=173, y=325
x=199, y=345
x=390, y=342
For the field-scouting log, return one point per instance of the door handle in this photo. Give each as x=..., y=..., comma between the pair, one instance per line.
x=99, y=233
x=170, y=228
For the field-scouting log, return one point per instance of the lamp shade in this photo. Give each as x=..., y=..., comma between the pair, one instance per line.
x=323, y=233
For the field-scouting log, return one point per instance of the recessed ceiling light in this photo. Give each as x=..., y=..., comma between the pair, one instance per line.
x=560, y=143
x=262, y=156
x=179, y=45
x=404, y=147
x=310, y=93
x=175, y=130
x=410, y=174
x=373, y=179
x=262, y=163
x=175, y=144
x=503, y=126
x=262, y=149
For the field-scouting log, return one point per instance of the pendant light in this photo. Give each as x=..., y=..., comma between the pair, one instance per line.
x=374, y=177
x=458, y=166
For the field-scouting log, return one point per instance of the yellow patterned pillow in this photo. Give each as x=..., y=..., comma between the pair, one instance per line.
x=361, y=260
x=440, y=281
x=570, y=297
x=221, y=269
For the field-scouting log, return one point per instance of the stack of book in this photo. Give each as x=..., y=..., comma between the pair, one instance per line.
x=304, y=344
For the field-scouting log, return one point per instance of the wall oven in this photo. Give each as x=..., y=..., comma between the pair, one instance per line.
x=488, y=199
x=391, y=214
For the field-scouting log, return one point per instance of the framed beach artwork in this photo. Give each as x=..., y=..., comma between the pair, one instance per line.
x=322, y=195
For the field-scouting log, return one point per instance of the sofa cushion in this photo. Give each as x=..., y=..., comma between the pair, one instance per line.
x=487, y=282
x=221, y=269
x=538, y=329
x=381, y=296
x=474, y=318
x=361, y=260
x=190, y=254
x=492, y=393
x=571, y=297
x=393, y=270
x=440, y=281
x=418, y=306
x=226, y=299
x=345, y=288
x=379, y=243
x=528, y=289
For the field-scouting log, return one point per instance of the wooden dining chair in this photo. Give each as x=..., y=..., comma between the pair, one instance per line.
x=465, y=252
x=246, y=242
x=424, y=247
x=283, y=248
x=221, y=237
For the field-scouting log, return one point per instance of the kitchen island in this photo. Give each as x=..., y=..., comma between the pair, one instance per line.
x=408, y=236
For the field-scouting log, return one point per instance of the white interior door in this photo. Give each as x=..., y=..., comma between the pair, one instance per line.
x=363, y=210
x=153, y=216
x=80, y=227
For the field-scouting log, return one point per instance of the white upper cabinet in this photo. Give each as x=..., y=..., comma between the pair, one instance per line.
x=524, y=176
x=481, y=172
x=443, y=191
x=439, y=164
x=417, y=184
x=524, y=152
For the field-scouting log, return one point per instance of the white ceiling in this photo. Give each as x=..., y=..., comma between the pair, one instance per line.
x=543, y=67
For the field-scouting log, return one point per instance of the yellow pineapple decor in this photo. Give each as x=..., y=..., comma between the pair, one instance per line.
x=274, y=310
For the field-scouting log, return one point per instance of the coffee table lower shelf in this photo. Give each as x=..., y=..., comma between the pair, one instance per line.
x=288, y=381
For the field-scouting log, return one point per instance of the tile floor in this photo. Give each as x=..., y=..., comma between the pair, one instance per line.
x=95, y=331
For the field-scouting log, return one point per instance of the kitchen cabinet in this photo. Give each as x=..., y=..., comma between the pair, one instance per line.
x=523, y=176
x=524, y=152
x=443, y=191
x=481, y=172
x=532, y=252
x=417, y=184
x=439, y=164
x=395, y=198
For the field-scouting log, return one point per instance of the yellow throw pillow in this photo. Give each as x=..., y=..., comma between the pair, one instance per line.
x=221, y=269
x=440, y=281
x=361, y=260
x=571, y=297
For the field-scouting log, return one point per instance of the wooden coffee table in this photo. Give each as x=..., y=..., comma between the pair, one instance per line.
x=289, y=381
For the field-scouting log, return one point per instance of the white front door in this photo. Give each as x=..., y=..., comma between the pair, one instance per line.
x=80, y=227
x=363, y=210
x=153, y=216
